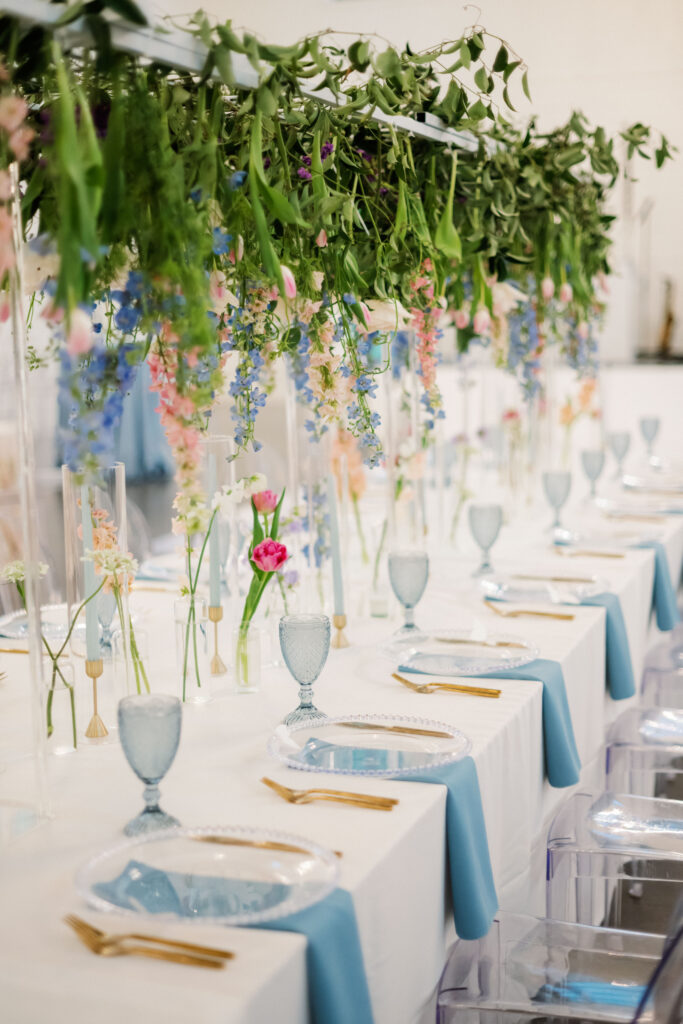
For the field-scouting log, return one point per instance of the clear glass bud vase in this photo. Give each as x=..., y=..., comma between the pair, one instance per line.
x=247, y=641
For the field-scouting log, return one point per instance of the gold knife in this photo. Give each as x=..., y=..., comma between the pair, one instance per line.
x=552, y=579
x=398, y=728
x=480, y=643
x=257, y=844
x=588, y=553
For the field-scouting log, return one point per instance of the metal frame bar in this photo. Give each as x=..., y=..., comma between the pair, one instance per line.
x=180, y=50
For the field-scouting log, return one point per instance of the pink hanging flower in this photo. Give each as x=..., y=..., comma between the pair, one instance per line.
x=582, y=330
x=461, y=319
x=5, y=186
x=321, y=240
x=566, y=293
x=269, y=555
x=288, y=281
x=482, y=321
x=13, y=110
x=19, y=142
x=547, y=288
x=4, y=307
x=265, y=501
x=79, y=338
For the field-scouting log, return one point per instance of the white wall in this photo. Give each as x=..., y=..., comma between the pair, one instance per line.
x=617, y=60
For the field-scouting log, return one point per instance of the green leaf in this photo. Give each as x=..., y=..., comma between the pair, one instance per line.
x=525, y=85
x=258, y=529
x=507, y=100
x=127, y=10
x=276, y=517
x=501, y=61
x=465, y=55
x=222, y=58
x=388, y=63
x=510, y=68
x=446, y=238
x=481, y=79
x=359, y=54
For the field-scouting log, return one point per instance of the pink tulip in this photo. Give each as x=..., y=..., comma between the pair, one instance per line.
x=321, y=240
x=566, y=293
x=582, y=330
x=289, y=282
x=268, y=556
x=482, y=321
x=547, y=288
x=13, y=110
x=265, y=501
x=79, y=338
x=461, y=319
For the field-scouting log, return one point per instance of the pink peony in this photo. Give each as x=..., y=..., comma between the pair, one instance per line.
x=321, y=240
x=79, y=338
x=265, y=501
x=547, y=288
x=269, y=555
x=461, y=319
x=13, y=110
x=566, y=293
x=482, y=321
x=288, y=281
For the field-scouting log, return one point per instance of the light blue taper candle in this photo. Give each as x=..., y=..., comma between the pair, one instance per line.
x=337, y=581
x=92, y=632
x=214, y=547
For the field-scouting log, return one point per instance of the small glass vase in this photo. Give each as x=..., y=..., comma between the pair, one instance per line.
x=247, y=641
x=131, y=667
x=192, y=649
x=63, y=726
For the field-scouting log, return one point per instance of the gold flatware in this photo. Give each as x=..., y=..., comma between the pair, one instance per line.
x=587, y=553
x=515, y=613
x=397, y=728
x=551, y=579
x=191, y=947
x=480, y=643
x=279, y=787
x=634, y=517
x=258, y=844
x=472, y=691
x=12, y=650
x=116, y=947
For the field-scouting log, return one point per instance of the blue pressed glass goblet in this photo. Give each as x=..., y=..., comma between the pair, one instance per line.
x=556, y=484
x=619, y=442
x=305, y=644
x=149, y=727
x=485, y=524
x=408, y=575
x=649, y=428
x=593, y=462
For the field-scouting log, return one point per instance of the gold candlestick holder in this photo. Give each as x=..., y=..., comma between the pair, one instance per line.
x=96, y=727
x=339, y=639
x=217, y=664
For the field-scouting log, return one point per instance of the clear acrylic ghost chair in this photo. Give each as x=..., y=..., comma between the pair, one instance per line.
x=662, y=688
x=603, y=847
x=644, y=753
x=528, y=969
x=668, y=653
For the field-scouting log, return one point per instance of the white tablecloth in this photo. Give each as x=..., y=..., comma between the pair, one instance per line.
x=393, y=864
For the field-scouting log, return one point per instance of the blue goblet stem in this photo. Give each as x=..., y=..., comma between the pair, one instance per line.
x=150, y=795
x=409, y=618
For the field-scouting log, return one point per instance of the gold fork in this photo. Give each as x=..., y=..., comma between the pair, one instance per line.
x=587, y=553
x=190, y=947
x=515, y=613
x=116, y=947
x=472, y=691
x=307, y=796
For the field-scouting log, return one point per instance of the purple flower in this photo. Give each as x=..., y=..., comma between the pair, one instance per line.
x=306, y=160
x=304, y=174
x=327, y=149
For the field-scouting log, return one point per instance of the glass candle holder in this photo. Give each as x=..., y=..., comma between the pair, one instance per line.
x=64, y=706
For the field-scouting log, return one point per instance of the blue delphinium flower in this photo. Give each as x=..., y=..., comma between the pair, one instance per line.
x=236, y=180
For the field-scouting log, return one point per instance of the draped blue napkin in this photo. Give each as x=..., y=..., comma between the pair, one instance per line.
x=578, y=989
x=562, y=763
x=619, y=669
x=663, y=591
x=474, y=893
x=337, y=984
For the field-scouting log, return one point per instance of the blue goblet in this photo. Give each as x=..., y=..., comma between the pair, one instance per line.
x=149, y=727
x=593, y=462
x=305, y=644
x=485, y=524
x=649, y=428
x=619, y=442
x=556, y=484
x=408, y=575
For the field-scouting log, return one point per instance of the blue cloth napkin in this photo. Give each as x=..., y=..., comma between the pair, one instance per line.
x=620, y=679
x=590, y=990
x=337, y=984
x=474, y=893
x=663, y=592
x=562, y=762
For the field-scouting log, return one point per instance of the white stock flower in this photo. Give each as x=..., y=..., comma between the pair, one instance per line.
x=15, y=572
x=112, y=562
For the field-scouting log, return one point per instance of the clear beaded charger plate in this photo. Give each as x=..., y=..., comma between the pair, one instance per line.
x=465, y=652
x=53, y=622
x=384, y=746
x=555, y=589
x=232, y=876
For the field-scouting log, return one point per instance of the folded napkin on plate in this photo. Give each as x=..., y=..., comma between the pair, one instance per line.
x=562, y=763
x=337, y=984
x=474, y=893
x=663, y=593
x=619, y=670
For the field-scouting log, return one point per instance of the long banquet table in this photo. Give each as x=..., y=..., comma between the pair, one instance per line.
x=393, y=864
